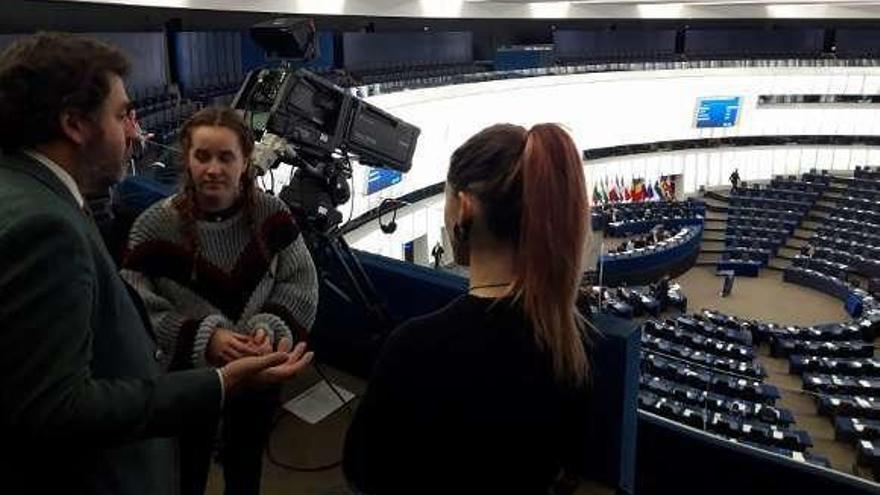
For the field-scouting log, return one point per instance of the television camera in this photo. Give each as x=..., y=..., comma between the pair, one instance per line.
x=317, y=127
x=308, y=122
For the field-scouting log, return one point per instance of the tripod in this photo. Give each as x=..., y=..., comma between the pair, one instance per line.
x=335, y=250
x=347, y=295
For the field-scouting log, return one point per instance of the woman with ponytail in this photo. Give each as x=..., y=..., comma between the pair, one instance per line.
x=224, y=273
x=489, y=394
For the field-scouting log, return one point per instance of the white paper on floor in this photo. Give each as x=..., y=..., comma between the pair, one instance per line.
x=317, y=402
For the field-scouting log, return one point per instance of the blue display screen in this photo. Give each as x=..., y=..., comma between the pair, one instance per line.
x=717, y=112
x=380, y=178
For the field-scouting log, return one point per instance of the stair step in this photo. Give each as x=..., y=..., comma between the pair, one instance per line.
x=779, y=264
x=789, y=251
x=709, y=258
x=716, y=250
x=716, y=215
x=716, y=196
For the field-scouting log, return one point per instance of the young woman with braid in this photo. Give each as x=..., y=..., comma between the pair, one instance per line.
x=489, y=394
x=223, y=272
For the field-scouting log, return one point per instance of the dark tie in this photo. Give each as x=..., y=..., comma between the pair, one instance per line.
x=87, y=212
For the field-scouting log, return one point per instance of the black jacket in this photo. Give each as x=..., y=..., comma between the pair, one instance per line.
x=83, y=405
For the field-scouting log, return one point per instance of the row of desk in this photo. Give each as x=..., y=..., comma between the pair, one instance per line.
x=716, y=402
x=855, y=300
x=774, y=204
x=668, y=253
x=726, y=425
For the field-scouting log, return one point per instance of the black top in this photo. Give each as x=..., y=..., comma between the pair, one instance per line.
x=463, y=401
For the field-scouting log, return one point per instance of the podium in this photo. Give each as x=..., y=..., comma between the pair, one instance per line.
x=727, y=283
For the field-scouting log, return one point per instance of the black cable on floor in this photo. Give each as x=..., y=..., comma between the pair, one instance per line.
x=307, y=469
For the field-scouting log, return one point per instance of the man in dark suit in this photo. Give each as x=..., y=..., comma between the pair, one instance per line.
x=84, y=407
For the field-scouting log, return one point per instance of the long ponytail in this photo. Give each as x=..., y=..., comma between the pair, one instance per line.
x=550, y=253
x=533, y=194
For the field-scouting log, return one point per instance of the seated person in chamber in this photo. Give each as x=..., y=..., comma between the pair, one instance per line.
x=488, y=395
x=224, y=273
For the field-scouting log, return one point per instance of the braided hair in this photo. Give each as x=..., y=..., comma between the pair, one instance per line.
x=185, y=201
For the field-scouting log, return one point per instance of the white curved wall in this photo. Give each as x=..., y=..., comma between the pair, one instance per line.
x=538, y=9
x=611, y=109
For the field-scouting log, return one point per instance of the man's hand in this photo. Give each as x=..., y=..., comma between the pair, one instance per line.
x=270, y=369
x=226, y=345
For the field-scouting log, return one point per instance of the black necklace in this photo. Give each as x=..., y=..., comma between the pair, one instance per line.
x=487, y=286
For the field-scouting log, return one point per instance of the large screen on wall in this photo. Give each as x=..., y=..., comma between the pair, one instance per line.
x=380, y=178
x=717, y=111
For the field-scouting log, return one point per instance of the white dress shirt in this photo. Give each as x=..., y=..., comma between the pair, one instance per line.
x=59, y=172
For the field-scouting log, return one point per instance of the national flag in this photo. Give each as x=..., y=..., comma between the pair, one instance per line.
x=639, y=193
x=612, y=193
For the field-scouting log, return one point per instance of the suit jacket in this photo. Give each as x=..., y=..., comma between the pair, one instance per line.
x=83, y=406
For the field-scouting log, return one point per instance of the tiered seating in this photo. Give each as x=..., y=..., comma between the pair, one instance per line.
x=707, y=317
x=753, y=390
x=215, y=89
x=852, y=348
x=821, y=264
x=862, y=407
x=628, y=302
x=856, y=301
x=761, y=219
x=787, y=225
x=769, y=244
x=416, y=74
x=728, y=425
x=847, y=242
x=165, y=123
x=868, y=173
x=718, y=343
x=842, y=385
x=703, y=358
x=700, y=370
x=829, y=365
x=623, y=219
x=150, y=100
x=831, y=332
x=792, y=183
x=770, y=202
x=640, y=264
x=853, y=429
x=855, y=417
x=784, y=193
x=716, y=402
x=857, y=257
x=837, y=361
x=850, y=230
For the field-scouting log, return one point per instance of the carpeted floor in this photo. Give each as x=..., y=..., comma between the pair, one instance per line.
x=766, y=298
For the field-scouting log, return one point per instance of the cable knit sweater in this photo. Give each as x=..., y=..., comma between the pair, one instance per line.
x=229, y=285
